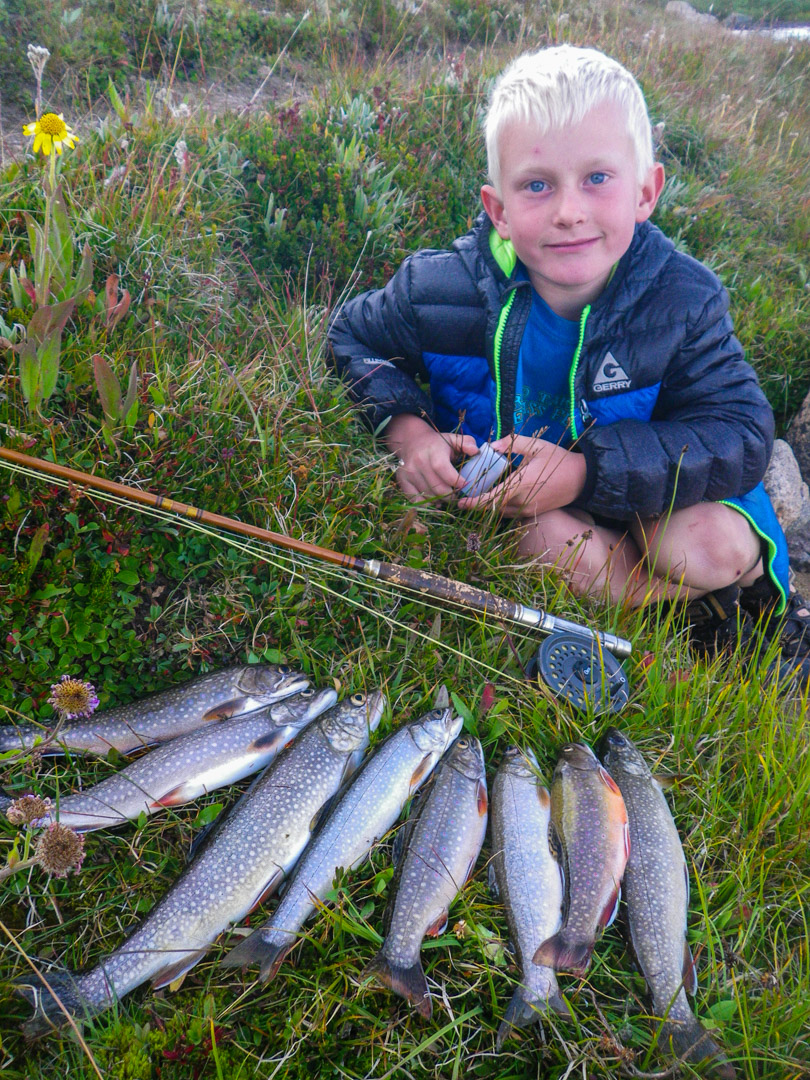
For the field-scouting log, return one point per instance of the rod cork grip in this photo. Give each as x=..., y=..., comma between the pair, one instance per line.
x=455, y=592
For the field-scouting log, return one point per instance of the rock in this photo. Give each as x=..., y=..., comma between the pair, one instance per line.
x=786, y=489
x=791, y=501
x=682, y=10
x=735, y=21
x=798, y=435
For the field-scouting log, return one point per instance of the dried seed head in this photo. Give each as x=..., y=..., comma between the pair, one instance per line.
x=473, y=542
x=73, y=698
x=38, y=57
x=28, y=808
x=59, y=850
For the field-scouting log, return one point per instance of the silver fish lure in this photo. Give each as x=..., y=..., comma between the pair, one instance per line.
x=440, y=846
x=165, y=715
x=191, y=765
x=527, y=879
x=364, y=813
x=239, y=864
x=656, y=894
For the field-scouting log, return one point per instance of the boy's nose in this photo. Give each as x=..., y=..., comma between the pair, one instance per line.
x=568, y=207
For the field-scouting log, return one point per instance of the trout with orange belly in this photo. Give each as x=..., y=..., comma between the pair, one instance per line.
x=589, y=830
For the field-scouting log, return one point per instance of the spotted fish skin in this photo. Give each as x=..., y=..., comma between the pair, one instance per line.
x=165, y=715
x=442, y=842
x=589, y=827
x=363, y=814
x=656, y=896
x=528, y=882
x=191, y=765
x=239, y=864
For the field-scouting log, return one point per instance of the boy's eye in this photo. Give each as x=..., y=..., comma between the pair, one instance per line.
x=537, y=186
x=598, y=177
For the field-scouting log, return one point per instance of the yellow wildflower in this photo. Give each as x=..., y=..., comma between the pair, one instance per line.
x=50, y=133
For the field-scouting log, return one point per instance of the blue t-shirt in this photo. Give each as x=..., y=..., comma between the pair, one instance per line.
x=546, y=353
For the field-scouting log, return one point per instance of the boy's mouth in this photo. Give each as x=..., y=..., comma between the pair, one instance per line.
x=573, y=245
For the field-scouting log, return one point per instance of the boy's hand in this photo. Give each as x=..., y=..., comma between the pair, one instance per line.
x=425, y=457
x=548, y=478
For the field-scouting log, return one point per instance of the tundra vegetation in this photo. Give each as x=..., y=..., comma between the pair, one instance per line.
x=238, y=171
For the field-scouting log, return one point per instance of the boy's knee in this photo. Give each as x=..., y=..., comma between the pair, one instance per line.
x=554, y=534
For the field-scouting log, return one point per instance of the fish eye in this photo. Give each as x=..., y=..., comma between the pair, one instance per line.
x=307, y=693
x=462, y=744
x=284, y=669
x=358, y=699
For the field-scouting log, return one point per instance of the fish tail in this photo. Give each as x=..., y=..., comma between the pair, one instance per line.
x=565, y=952
x=524, y=1010
x=261, y=948
x=410, y=983
x=48, y=1016
x=690, y=1041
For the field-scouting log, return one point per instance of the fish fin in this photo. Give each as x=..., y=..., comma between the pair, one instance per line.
x=271, y=740
x=690, y=1041
x=563, y=952
x=174, y=973
x=690, y=983
x=48, y=1016
x=611, y=910
x=492, y=882
x=439, y=925
x=421, y=771
x=522, y=1012
x=686, y=879
x=410, y=983
x=555, y=843
x=482, y=799
x=183, y=793
x=257, y=949
x=608, y=781
x=268, y=889
x=225, y=710
x=543, y=796
x=626, y=840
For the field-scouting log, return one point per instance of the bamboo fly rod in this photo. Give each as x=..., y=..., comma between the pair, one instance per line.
x=420, y=582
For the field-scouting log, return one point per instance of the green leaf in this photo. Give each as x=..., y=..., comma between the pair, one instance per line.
x=127, y=577
x=723, y=1011
x=109, y=389
x=207, y=815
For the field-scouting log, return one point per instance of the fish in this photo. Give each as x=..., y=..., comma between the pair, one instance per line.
x=241, y=862
x=164, y=715
x=656, y=901
x=191, y=765
x=589, y=830
x=527, y=879
x=365, y=811
x=439, y=848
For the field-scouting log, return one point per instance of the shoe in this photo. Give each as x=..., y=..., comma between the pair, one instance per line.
x=791, y=629
x=718, y=623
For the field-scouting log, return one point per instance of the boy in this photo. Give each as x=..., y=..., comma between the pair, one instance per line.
x=568, y=329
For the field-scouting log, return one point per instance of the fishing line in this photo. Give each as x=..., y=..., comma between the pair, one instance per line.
x=288, y=564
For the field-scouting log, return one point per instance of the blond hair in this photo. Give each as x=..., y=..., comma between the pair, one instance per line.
x=558, y=86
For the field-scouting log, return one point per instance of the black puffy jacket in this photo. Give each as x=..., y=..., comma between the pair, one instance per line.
x=663, y=405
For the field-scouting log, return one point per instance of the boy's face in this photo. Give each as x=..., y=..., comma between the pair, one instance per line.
x=569, y=202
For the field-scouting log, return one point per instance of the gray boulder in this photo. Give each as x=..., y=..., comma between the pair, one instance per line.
x=791, y=500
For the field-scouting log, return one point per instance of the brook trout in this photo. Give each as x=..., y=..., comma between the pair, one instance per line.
x=526, y=878
x=165, y=715
x=187, y=767
x=656, y=895
x=589, y=829
x=363, y=814
x=240, y=863
x=440, y=844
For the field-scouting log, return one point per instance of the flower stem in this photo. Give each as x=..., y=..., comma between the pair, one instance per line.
x=23, y=864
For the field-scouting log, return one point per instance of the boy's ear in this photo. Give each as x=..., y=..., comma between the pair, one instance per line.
x=495, y=210
x=651, y=188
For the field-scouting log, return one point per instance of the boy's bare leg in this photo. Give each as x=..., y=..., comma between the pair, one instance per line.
x=687, y=554
x=708, y=546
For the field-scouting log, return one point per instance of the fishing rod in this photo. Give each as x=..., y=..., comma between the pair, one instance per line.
x=576, y=661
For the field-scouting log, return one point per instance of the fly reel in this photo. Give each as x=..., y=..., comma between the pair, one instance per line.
x=582, y=671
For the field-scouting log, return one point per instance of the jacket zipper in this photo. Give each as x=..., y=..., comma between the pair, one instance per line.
x=583, y=407
x=496, y=357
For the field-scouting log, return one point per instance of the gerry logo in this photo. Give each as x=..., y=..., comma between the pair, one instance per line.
x=611, y=375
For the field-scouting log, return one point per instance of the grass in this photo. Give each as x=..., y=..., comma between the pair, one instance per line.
x=370, y=151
